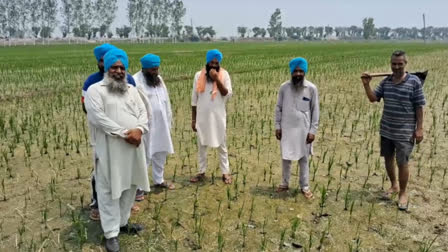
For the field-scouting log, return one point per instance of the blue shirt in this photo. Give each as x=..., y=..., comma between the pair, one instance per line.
x=97, y=77
x=400, y=104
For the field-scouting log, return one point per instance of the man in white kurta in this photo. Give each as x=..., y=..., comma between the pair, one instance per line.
x=119, y=117
x=296, y=122
x=157, y=142
x=211, y=90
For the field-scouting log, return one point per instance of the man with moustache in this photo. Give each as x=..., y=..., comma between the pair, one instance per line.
x=119, y=119
x=296, y=122
x=157, y=142
x=401, y=123
x=99, y=53
x=211, y=90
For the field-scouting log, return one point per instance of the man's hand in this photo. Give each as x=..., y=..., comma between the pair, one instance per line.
x=213, y=74
x=134, y=137
x=366, y=78
x=278, y=134
x=310, y=138
x=193, y=125
x=418, y=135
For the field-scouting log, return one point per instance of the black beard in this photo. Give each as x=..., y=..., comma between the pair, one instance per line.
x=207, y=71
x=152, y=80
x=101, y=69
x=296, y=80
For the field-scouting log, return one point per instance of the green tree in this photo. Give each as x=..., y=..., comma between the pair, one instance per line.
x=137, y=14
x=328, y=31
x=177, y=13
x=242, y=31
x=275, y=25
x=368, y=27
x=49, y=14
x=66, y=11
x=104, y=15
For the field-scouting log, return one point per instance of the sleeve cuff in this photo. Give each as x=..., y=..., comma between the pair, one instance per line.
x=141, y=129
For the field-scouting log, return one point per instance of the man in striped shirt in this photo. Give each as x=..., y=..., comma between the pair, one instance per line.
x=401, y=123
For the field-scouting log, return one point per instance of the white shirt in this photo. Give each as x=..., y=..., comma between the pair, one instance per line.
x=159, y=137
x=119, y=164
x=211, y=114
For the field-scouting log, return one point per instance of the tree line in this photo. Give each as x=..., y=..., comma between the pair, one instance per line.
x=276, y=30
x=91, y=18
x=164, y=18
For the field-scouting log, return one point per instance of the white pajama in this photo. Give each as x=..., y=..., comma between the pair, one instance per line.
x=158, y=165
x=211, y=121
x=223, y=158
x=114, y=213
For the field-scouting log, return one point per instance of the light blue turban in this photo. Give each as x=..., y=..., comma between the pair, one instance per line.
x=150, y=61
x=298, y=62
x=214, y=54
x=101, y=50
x=113, y=56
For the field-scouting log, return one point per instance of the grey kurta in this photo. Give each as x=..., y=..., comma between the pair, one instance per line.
x=119, y=164
x=296, y=114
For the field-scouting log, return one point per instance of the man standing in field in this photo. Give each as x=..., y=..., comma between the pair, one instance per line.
x=99, y=53
x=296, y=122
x=401, y=123
x=211, y=91
x=157, y=142
x=119, y=119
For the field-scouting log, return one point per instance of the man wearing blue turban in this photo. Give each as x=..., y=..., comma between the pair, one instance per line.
x=296, y=122
x=119, y=119
x=99, y=53
x=211, y=90
x=157, y=142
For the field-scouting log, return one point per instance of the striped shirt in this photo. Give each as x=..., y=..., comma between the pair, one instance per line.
x=400, y=104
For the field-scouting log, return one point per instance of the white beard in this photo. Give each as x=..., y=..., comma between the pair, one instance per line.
x=115, y=86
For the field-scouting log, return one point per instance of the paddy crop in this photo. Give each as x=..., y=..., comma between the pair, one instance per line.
x=45, y=158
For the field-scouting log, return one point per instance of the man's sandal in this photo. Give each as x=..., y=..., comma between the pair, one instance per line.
x=387, y=195
x=307, y=194
x=198, y=178
x=135, y=209
x=94, y=214
x=227, y=179
x=282, y=188
x=165, y=185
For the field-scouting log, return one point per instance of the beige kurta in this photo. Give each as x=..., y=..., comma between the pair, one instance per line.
x=119, y=164
x=159, y=137
x=296, y=114
x=211, y=114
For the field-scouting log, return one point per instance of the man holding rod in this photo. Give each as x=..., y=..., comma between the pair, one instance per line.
x=401, y=123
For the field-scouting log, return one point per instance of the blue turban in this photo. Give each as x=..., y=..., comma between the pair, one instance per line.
x=298, y=62
x=101, y=50
x=150, y=61
x=113, y=56
x=214, y=54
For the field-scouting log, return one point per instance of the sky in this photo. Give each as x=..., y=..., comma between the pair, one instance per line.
x=225, y=16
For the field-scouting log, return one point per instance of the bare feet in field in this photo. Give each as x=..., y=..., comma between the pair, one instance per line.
x=403, y=201
x=391, y=191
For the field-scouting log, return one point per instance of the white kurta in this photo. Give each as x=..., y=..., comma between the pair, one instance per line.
x=159, y=137
x=211, y=114
x=296, y=114
x=119, y=164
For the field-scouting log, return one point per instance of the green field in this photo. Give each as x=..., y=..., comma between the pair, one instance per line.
x=45, y=161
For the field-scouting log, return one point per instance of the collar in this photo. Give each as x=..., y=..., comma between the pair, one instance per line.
x=406, y=78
